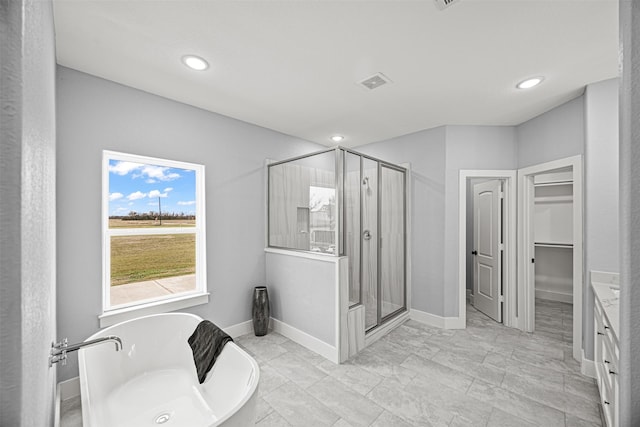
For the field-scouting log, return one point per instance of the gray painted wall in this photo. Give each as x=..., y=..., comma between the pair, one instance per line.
x=425, y=151
x=96, y=114
x=556, y=134
x=27, y=213
x=302, y=294
x=630, y=214
x=601, y=176
x=591, y=118
x=436, y=157
x=469, y=147
x=601, y=182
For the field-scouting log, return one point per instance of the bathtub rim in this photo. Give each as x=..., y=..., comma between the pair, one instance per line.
x=82, y=373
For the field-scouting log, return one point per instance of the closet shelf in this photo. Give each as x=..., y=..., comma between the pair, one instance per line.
x=552, y=183
x=554, y=199
x=553, y=245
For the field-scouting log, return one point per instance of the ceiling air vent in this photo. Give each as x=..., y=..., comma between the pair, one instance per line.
x=443, y=4
x=375, y=81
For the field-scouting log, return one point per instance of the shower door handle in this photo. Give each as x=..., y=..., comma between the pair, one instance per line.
x=366, y=235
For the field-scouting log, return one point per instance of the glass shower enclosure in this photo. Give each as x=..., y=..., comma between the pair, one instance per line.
x=342, y=203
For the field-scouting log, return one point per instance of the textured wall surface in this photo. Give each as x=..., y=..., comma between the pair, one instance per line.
x=95, y=115
x=10, y=166
x=630, y=214
x=27, y=213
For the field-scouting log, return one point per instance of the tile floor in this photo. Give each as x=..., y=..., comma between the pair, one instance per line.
x=485, y=375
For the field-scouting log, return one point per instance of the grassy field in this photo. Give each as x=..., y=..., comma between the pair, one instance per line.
x=119, y=223
x=139, y=258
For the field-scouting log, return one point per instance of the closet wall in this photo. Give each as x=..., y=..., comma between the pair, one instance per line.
x=553, y=235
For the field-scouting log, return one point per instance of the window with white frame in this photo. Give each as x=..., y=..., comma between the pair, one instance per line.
x=153, y=231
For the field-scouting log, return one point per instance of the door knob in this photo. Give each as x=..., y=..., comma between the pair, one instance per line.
x=366, y=235
x=474, y=252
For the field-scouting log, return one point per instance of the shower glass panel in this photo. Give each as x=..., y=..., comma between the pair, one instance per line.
x=353, y=231
x=392, y=232
x=369, y=241
x=342, y=203
x=302, y=204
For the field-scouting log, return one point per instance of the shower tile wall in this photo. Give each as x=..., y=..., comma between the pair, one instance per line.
x=289, y=202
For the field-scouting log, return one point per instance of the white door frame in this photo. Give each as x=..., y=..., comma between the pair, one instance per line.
x=509, y=265
x=526, y=281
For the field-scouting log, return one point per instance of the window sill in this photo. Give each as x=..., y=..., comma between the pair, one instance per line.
x=112, y=317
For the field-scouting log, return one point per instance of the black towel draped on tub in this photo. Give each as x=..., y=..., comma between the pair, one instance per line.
x=206, y=342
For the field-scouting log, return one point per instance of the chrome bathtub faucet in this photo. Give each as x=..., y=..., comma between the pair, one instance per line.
x=59, y=350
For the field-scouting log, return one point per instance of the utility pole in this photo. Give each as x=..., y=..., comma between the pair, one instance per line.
x=160, y=210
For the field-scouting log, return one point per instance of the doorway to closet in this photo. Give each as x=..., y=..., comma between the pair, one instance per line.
x=550, y=250
x=518, y=299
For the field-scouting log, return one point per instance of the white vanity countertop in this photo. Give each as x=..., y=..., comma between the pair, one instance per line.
x=609, y=296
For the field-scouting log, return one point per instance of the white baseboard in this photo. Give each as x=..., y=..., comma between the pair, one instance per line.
x=554, y=296
x=437, y=321
x=587, y=367
x=239, y=329
x=325, y=350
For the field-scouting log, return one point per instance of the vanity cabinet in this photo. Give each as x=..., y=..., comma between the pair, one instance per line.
x=606, y=350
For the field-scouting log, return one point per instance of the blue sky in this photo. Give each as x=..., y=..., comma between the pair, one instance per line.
x=137, y=187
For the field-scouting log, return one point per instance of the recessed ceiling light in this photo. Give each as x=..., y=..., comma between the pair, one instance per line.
x=529, y=83
x=195, y=62
x=337, y=138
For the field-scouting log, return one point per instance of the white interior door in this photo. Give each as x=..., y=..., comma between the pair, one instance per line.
x=487, y=264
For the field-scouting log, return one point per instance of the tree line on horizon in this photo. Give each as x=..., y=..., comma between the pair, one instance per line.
x=152, y=216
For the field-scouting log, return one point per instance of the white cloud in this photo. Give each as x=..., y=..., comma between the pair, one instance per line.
x=121, y=209
x=190, y=202
x=115, y=196
x=166, y=190
x=137, y=195
x=153, y=173
x=155, y=194
x=159, y=173
x=123, y=168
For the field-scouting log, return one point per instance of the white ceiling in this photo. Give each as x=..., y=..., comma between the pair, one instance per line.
x=293, y=65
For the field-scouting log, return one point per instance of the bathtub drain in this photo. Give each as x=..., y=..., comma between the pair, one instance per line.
x=163, y=418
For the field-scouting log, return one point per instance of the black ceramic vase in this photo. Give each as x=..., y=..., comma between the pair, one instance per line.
x=260, y=311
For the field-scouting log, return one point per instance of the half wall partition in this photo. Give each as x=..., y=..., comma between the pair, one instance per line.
x=340, y=203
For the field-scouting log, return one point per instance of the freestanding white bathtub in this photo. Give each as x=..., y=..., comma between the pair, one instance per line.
x=152, y=381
